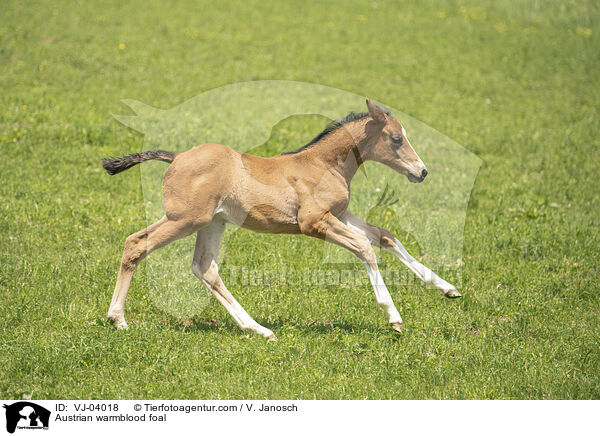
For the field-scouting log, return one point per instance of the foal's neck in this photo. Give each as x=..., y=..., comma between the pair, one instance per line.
x=343, y=149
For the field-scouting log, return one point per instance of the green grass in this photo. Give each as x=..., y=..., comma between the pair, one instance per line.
x=514, y=82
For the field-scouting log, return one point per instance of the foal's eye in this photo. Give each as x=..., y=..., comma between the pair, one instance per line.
x=397, y=140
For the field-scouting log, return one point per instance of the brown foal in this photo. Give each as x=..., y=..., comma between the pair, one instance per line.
x=306, y=191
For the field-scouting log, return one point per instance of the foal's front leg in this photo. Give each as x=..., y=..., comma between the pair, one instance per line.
x=331, y=229
x=387, y=241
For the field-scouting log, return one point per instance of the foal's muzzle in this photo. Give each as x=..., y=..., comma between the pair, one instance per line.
x=418, y=178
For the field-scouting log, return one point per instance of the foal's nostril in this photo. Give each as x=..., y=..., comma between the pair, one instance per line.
x=423, y=173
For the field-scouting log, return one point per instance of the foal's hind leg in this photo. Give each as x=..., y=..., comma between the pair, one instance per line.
x=387, y=241
x=206, y=269
x=138, y=246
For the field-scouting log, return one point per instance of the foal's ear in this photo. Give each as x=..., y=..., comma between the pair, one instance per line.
x=377, y=114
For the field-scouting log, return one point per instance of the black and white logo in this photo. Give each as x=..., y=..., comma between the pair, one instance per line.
x=26, y=415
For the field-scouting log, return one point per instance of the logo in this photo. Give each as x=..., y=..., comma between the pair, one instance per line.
x=26, y=415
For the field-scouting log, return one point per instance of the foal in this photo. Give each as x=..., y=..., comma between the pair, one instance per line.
x=306, y=191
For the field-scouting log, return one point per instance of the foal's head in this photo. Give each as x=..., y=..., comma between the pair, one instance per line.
x=388, y=145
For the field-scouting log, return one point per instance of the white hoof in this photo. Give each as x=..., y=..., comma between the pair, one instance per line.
x=396, y=326
x=118, y=321
x=121, y=326
x=257, y=329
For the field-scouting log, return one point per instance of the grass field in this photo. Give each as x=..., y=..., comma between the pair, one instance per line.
x=515, y=82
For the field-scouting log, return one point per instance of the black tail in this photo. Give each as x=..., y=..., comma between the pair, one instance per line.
x=114, y=166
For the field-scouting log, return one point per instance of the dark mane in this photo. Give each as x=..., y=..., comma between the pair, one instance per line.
x=334, y=125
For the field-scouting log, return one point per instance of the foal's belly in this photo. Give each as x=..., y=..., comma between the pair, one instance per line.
x=266, y=219
x=265, y=214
